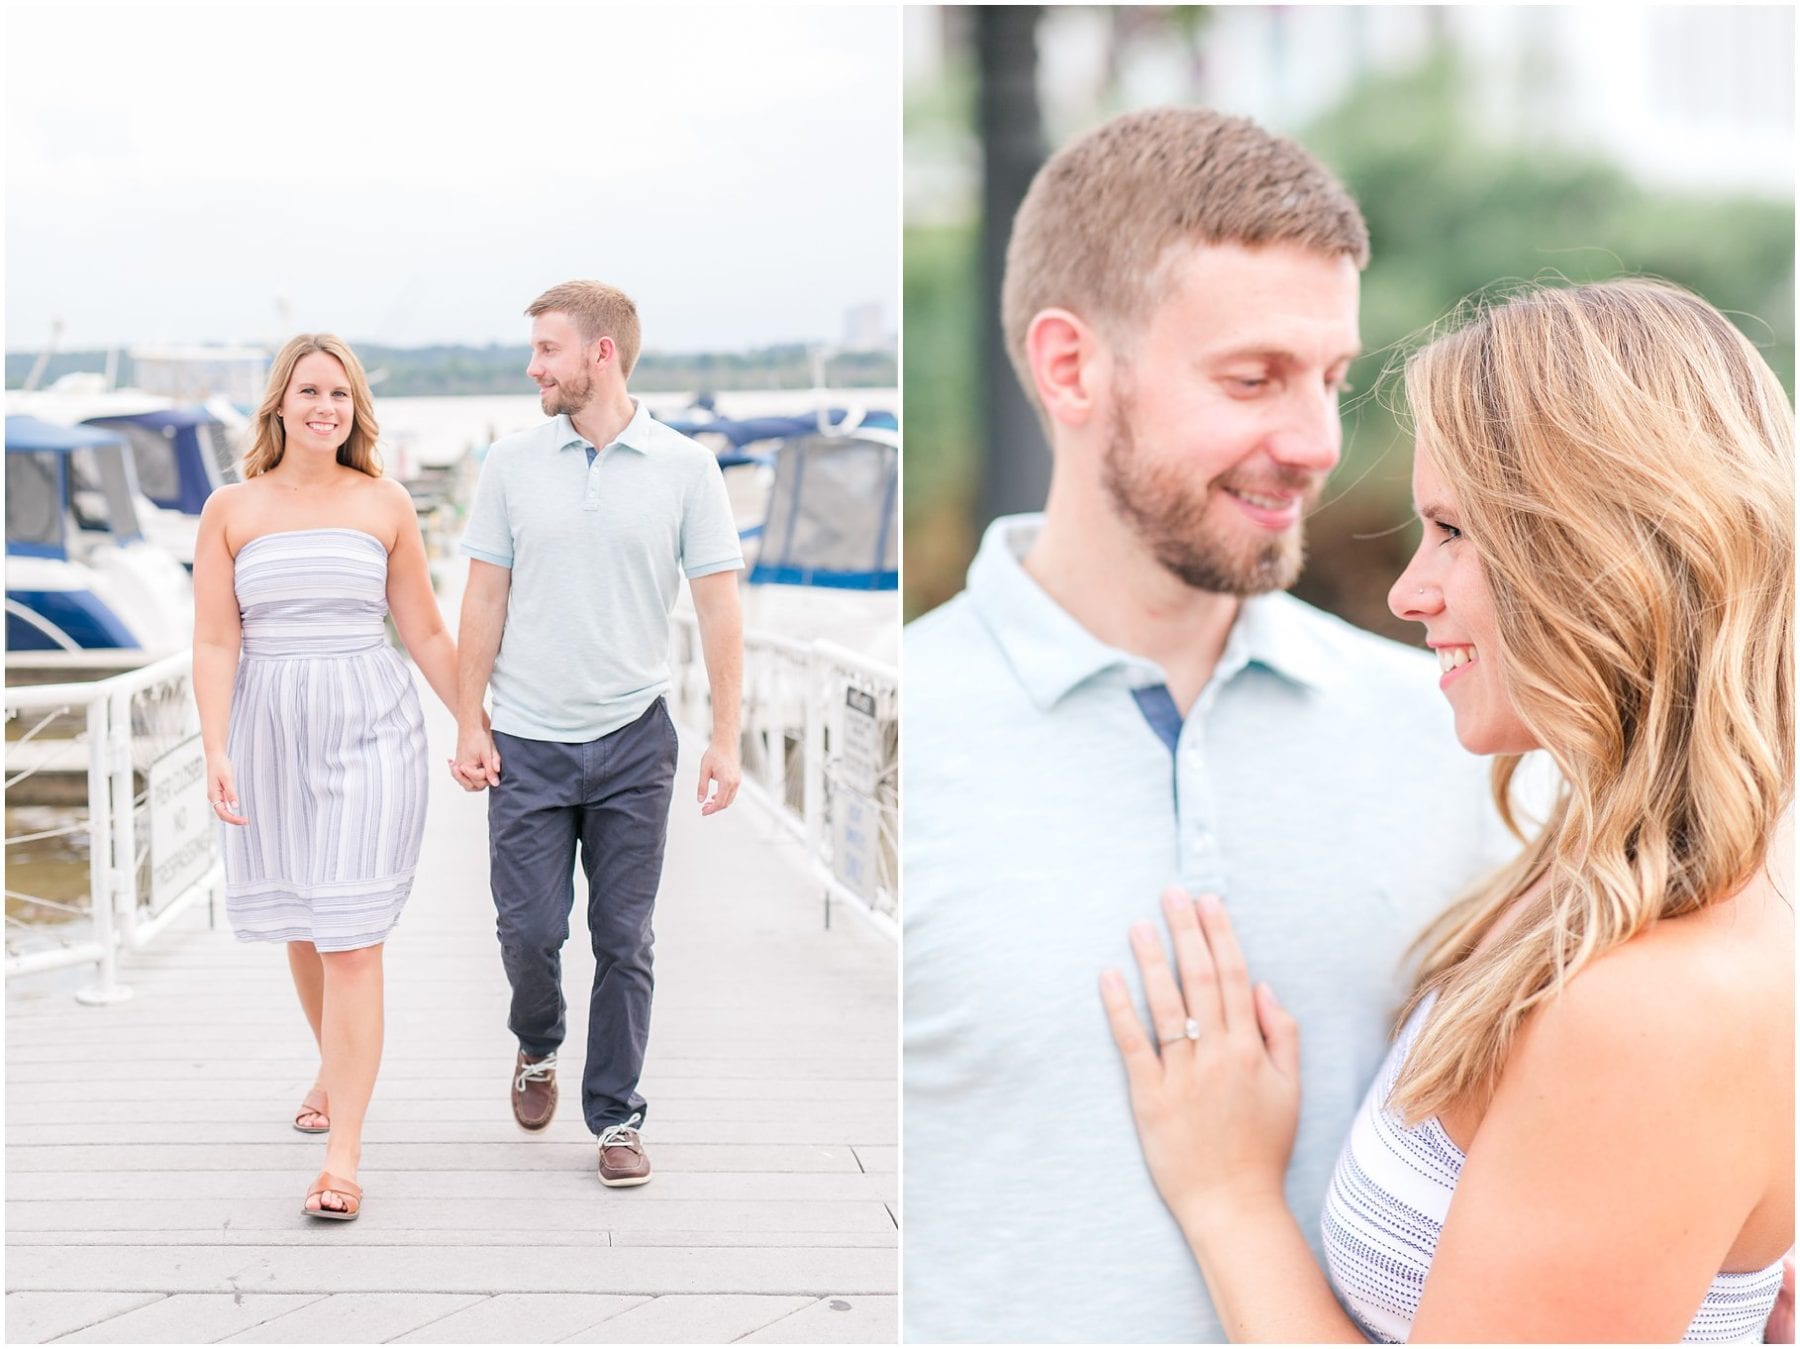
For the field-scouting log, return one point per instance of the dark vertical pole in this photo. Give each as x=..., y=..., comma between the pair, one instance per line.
x=1015, y=466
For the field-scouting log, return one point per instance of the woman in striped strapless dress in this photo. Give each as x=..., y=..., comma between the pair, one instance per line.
x=314, y=739
x=1585, y=1127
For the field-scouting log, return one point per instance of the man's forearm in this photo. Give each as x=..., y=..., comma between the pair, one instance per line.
x=477, y=643
x=722, y=643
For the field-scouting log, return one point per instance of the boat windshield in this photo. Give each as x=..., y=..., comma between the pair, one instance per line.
x=101, y=485
x=153, y=452
x=34, y=516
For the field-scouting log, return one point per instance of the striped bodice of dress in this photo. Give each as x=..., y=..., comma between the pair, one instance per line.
x=1385, y=1211
x=312, y=592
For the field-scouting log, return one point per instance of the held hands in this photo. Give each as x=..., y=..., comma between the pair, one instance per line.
x=1217, y=1108
x=221, y=789
x=719, y=768
x=477, y=762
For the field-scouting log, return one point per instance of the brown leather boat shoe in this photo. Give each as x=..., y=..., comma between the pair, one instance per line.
x=623, y=1160
x=534, y=1090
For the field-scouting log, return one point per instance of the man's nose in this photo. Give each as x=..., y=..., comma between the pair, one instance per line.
x=1313, y=435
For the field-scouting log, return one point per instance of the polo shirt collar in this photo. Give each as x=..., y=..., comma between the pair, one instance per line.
x=637, y=434
x=1050, y=653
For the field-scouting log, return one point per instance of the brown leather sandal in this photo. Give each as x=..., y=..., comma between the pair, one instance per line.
x=346, y=1189
x=308, y=1108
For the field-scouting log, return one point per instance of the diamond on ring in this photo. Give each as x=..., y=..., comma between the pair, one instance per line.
x=1191, y=1031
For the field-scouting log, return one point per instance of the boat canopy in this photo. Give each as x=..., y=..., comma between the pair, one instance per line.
x=181, y=454
x=84, y=469
x=832, y=515
x=741, y=431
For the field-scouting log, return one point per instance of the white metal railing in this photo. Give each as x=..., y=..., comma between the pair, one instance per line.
x=122, y=726
x=820, y=750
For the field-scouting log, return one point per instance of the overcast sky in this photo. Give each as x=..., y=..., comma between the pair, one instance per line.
x=417, y=174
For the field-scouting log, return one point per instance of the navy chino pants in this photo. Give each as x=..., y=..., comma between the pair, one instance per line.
x=609, y=799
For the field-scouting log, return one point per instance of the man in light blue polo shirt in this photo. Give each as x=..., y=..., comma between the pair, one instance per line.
x=1122, y=700
x=581, y=531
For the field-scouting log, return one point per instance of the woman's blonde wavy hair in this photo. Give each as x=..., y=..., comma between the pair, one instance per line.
x=1622, y=459
x=268, y=438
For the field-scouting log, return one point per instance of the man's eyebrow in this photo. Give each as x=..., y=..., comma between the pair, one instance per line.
x=1277, y=355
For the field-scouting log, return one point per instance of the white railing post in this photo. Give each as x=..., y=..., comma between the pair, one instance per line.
x=124, y=829
x=106, y=988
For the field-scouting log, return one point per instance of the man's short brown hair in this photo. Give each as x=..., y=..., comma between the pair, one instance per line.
x=598, y=310
x=1102, y=214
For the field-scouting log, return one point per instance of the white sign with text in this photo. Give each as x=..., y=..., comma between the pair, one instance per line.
x=855, y=818
x=182, y=837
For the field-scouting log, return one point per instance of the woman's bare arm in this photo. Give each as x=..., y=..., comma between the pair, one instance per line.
x=218, y=637
x=413, y=603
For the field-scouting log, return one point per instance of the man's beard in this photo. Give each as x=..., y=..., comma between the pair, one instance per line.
x=567, y=397
x=1168, y=513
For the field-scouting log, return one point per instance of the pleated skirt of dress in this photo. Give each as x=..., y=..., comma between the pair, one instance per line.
x=329, y=757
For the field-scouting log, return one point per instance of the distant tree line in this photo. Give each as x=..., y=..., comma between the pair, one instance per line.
x=410, y=371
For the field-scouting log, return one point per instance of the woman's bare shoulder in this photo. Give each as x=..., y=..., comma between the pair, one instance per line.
x=393, y=504
x=224, y=508
x=1710, y=993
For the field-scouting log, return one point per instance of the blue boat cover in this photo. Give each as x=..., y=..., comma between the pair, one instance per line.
x=741, y=431
x=832, y=515
x=28, y=433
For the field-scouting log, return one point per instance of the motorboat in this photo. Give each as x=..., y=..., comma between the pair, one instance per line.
x=180, y=452
x=748, y=449
x=81, y=577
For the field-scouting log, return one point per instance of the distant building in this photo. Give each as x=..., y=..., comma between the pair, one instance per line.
x=866, y=328
x=195, y=374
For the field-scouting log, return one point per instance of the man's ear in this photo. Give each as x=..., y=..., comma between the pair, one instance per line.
x=605, y=350
x=1066, y=358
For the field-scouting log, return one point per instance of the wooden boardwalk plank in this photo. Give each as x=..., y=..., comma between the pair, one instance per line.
x=686, y=1319
x=833, y=1320
x=522, y=1318
x=153, y=1181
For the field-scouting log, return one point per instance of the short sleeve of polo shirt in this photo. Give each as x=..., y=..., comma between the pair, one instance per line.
x=709, y=537
x=488, y=536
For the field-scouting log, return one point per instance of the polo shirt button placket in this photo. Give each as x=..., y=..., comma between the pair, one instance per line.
x=1199, y=846
x=590, y=501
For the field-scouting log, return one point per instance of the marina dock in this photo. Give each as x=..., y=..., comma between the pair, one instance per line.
x=154, y=1180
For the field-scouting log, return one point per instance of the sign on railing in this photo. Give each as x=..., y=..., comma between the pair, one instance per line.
x=855, y=817
x=183, y=835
